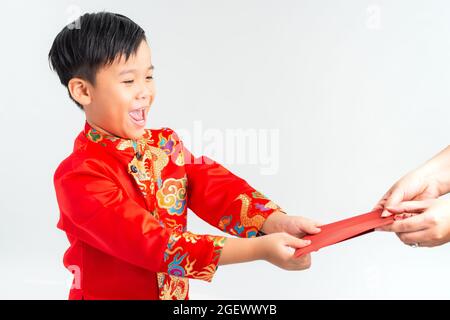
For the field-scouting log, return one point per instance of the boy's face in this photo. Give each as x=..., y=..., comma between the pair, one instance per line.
x=122, y=95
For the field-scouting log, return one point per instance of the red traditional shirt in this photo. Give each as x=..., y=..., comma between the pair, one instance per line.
x=123, y=205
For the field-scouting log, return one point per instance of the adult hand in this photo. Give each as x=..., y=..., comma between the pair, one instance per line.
x=424, y=223
x=416, y=185
x=429, y=181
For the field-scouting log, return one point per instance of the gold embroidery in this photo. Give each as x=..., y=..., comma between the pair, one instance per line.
x=125, y=144
x=145, y=172
x=172, y=196
x=172, y=223
x=159, y=158
x=258, y=195
x=180, y=159
x=173, y=288
x=272, y=205
x=206, y=274
x=172, y=252
x=256, y=221
x=138, y=170
x=190, y=237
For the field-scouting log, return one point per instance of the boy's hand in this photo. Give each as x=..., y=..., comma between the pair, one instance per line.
x=279, y=248
x=293, y=225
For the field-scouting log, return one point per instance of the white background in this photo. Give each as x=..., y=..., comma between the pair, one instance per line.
x=359, y=91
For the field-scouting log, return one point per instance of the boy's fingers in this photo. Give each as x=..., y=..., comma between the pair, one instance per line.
x=290, y=250
x=297, y=243
x=310, y=226
x=304, y=260
x=317, y=223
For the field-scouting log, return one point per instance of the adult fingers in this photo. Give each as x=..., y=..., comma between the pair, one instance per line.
x=382, y=201
x=417, y=237
x=409, y=206
x=415, y=223
x=393, y=199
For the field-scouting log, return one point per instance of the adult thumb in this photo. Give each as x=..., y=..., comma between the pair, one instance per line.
x=394, y=199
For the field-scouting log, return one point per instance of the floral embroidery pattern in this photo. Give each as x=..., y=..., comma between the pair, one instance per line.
x=94, y=135
x=172, y=195
x=166, y=144
x=172, y=147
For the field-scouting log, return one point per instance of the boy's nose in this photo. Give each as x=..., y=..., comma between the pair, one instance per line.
x=144, y=94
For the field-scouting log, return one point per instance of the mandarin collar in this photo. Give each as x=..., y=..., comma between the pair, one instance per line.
x=117, y=144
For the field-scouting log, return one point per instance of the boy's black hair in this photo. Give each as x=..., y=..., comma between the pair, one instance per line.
x=92, y=41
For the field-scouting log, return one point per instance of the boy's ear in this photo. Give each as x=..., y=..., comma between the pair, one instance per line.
x=79, y=90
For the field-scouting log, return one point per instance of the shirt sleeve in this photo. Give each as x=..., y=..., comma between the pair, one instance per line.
x=223, y=199
x=97, y=211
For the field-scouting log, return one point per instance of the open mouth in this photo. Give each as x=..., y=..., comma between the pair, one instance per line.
x=138, y=117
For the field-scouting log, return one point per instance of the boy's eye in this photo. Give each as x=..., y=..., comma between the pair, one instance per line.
x=149, y=77
x=128, y=81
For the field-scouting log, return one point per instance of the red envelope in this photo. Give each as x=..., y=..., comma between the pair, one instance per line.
x=343, y=230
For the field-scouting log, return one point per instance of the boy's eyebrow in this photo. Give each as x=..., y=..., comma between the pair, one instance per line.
x=133, y=70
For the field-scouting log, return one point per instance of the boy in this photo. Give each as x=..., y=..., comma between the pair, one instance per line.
x=124, y=191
